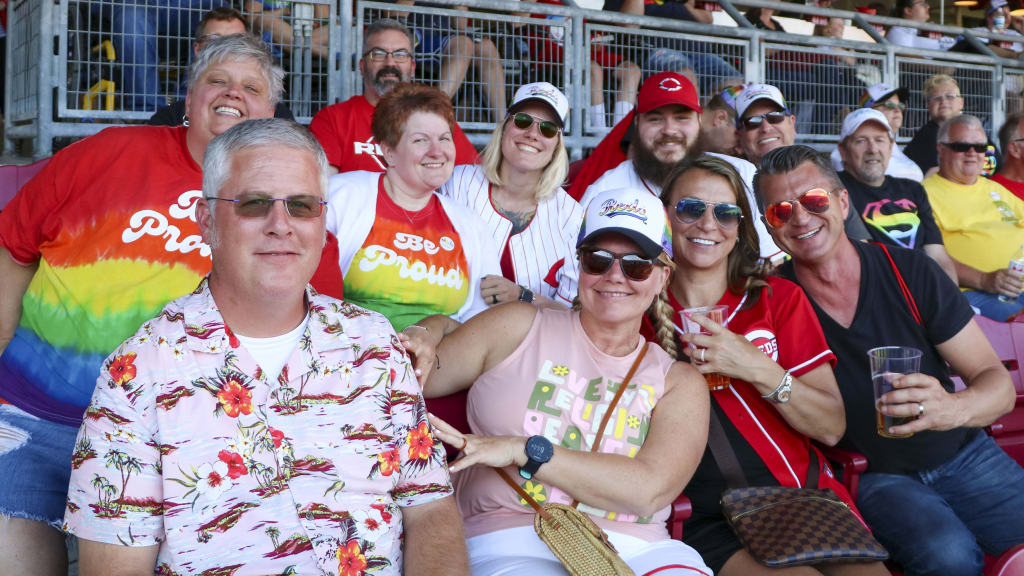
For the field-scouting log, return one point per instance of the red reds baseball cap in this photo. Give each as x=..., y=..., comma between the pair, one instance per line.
x=664, y=89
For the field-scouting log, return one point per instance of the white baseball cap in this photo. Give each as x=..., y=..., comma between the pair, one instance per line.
x=635, y=213
x=546, y=93
x=754, y=92
x=880, y=93
x=855, y=119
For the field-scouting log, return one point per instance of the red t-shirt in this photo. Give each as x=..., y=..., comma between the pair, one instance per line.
x=783, y=325
x=343, y=130
x=1012, y=185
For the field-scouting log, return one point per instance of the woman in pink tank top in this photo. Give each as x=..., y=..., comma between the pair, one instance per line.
x=540, y=382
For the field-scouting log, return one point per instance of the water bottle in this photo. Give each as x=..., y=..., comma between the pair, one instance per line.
x=1016, y=265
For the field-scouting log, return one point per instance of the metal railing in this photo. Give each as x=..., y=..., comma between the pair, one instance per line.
x=69, y=74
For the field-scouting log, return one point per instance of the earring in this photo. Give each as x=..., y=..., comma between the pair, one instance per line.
x=184, y=120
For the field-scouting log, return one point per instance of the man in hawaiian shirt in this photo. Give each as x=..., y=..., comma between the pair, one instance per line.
x=256, y=426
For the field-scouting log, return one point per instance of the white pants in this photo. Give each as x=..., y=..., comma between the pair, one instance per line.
x=518, y=551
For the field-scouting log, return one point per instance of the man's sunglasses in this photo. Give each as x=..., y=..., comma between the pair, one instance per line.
x=400, y=56
x=892, y=105
x=259, y=205
x=689, y=210
x=753, y=122
x=523, y=121
x=964, y=147
x=815, y=201
x=597, y=262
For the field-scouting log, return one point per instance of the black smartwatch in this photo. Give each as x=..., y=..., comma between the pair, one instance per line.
x=525, y=295
x=538, y=451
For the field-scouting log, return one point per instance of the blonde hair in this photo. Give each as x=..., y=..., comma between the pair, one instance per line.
x=935, y=81
x=661, y=315
x=551, y=178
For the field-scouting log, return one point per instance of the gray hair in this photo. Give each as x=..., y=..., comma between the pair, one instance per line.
x=237, y=48
x=787, y=159
x=965, y=120
x=272, y=132
x=1010, y=131
x=383, y=25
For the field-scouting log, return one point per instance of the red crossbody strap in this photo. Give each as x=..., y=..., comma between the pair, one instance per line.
x=903, y=285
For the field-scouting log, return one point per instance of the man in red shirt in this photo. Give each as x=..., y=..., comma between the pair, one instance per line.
x=343, y=129
x=1011, y=142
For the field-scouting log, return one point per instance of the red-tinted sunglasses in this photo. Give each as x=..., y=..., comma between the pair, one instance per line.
x=815, y=201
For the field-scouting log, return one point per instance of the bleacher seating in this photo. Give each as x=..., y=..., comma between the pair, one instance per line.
x=13, y=177
x=991, y=85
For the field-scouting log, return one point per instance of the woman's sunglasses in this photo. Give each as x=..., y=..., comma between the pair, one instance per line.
x=523, y=121
x=258, y=205
x=689, y=210
x=597, y=262
x=815, y=201
x=753, y=122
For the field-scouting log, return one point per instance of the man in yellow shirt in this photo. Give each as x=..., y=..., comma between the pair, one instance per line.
x=982, y=222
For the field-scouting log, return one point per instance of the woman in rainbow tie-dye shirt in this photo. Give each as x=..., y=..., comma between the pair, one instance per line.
x=92, y=247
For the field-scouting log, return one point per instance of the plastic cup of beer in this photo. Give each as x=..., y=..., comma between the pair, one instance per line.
x=718, y=315
x=888, y=362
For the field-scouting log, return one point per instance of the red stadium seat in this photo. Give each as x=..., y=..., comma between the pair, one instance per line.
x=1010, y=563
x=13, y=177
x=451, y=409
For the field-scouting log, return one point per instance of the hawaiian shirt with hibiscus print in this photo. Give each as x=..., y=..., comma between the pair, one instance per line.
x=187, y=444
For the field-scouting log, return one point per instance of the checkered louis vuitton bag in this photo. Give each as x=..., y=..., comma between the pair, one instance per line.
x=782, y=526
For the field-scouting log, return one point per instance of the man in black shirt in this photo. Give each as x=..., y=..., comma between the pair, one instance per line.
x=896, y=211
x=946, y=495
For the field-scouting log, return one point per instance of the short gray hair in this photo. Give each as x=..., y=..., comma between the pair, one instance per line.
x=383, y=25
x=965, y=120
x=236, y=48
x=788, y=158
x=272, y=132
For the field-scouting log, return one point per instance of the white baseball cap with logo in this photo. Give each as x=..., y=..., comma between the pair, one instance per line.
x=545, y=93
x=635, y=213
x=858, y=117
x=754, y=92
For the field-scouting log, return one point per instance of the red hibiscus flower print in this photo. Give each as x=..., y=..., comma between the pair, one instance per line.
x=277, y=436
x=384, y=514
x=388, y=462
x=236, y=466
x=235, y=399
x=351, y=561
x=122, y=368
x=421, y=443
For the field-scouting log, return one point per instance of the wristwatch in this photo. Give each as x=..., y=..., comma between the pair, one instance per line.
x=525, y=295
x=781, y=394
x=538, y=451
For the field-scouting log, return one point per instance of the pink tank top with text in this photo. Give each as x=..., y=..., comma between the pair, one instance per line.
x=558, y=384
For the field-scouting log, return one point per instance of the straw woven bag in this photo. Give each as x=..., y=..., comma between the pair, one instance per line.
x=579, y=544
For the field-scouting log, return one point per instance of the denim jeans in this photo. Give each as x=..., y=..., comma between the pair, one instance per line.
x=136, y=29
x=942, y=521
x=989, y=305
x=35, y=466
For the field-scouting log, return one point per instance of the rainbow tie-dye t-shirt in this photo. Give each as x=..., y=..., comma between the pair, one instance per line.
x=411, y=265
x=111, y=224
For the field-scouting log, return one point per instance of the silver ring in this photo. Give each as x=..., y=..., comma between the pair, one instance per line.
x=702, y=351
x=920, y=409
x=494, y=298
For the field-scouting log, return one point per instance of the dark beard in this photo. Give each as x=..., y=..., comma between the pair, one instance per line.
x=385, y=85
x=647, y=165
